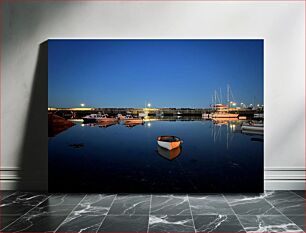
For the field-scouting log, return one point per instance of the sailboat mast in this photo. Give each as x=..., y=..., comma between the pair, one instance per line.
x=215, y=97
x=228, y=97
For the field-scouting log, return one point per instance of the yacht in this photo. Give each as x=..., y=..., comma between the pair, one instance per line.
x=94, y=118
x=222, y=111
x=129, y=119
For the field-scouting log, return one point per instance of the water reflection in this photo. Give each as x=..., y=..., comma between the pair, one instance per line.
x=77, y=145
x=88, y=124
x=107, y=124
x=250, y=132
x=169, y=154
x=257, y=139
x=224, y=131
x=131, y=125
x=89, y=155
x=172, y=118
x=220, y=128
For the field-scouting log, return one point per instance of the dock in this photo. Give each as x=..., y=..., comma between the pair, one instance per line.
x=81, y=112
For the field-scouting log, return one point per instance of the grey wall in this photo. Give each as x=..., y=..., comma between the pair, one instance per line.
x=24, y=72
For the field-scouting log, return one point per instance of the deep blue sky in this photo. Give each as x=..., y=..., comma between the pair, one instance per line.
x=166, y=73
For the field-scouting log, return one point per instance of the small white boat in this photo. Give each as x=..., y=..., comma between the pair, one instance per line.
x=106, y=118
x=129, y=119
x=169, y=142
x=258, y=115
x=93, y=118
x=120, y=116
x=252, y=126
x=143, y=114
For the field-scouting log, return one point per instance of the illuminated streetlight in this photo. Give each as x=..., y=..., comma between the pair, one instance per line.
x=149, y=105
x=82, y=104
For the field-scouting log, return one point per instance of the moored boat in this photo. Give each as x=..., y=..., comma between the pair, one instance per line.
x=143, y=114
x=258, y=115
x=251, y=126
x=169, y=142
x=120, y=116
x=94, y=118
x=128, y=119
x=106, y=118
x=224, y=115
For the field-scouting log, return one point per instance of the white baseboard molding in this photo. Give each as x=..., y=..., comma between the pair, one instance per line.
x=284, y=184
x=9, y=178
x=284, y=178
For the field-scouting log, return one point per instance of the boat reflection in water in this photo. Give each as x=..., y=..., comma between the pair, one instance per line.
x=132, y=124
x=107, y=124
x=100, y=124
x=223, y=146
x=88, y=124
x=224, y=121
x=169, y=154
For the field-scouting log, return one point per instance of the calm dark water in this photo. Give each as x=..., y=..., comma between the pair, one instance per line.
x=213, y=158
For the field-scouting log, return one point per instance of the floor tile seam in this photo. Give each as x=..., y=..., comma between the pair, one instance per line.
x=149, y=213
x=297, y=194
x=7, y=196
x=69, y=214
x=235, y=213
x=107, y=213
x=191, y=214
x=25, y=213
x=282, y=214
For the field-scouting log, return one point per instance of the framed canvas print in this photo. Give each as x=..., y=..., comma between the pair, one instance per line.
x=155, y=116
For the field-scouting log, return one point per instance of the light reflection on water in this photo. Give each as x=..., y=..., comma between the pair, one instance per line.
x=215, y=157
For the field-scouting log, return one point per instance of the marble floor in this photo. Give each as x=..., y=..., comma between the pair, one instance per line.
x=273, y=211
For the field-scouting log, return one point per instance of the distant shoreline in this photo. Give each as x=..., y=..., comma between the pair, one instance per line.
x=121, y=108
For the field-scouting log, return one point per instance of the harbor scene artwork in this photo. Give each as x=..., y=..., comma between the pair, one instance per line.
x=156, y=116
